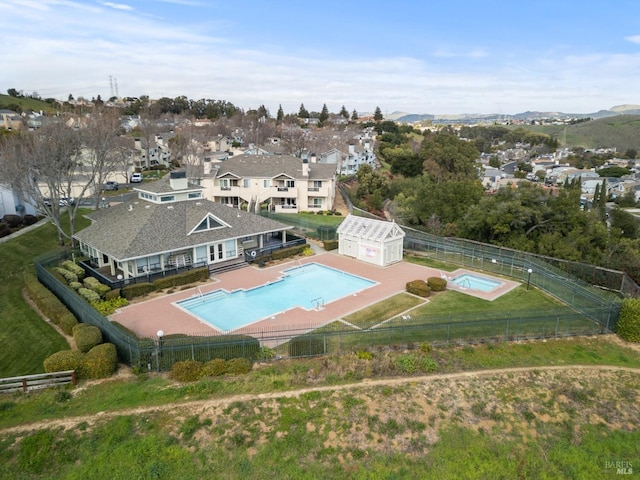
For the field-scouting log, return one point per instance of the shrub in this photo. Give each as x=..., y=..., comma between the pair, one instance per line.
x=73, y=267
x=306, y=345
x=628, y=327
x=91, y=283
x=67, y=322
x=214, y=368
x=65, y=360
x=406, y=363
x=437, y=284
x=68, y=275
x=4, y=230
x=107, y=307
x=186, y=371
x=75, y=285
x=29, y=219
x=115, y=293
x=330, y=244
x=191, y=276
x=101, y=361
x=288, y=252
x=238, y=366
x=86, y=336
x=419, y=287
x=428, y=365
x=137, y=290
x=89, y=295
x=12, y=221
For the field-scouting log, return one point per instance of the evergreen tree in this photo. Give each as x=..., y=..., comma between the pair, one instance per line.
x=354, y=115
x=377, y=116
x=280, y=115
x=303, y=113
x=345, y=114
x=324, y=115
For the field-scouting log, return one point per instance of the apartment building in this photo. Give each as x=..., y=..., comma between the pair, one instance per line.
x=279, y=183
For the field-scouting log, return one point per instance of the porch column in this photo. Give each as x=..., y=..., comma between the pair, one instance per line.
x=284, y=237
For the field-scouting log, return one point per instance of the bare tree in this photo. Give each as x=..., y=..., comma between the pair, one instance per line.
x=187, y=148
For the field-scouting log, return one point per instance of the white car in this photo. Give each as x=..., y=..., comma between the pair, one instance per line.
x=136, y=178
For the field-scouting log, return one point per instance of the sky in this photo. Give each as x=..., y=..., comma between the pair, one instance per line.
x=414, y=56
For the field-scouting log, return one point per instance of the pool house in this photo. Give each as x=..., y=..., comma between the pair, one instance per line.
x=369, y=240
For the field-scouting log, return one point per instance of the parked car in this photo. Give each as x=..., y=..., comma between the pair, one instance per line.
x=136, y=178
x=111, y=186
x=63, y=202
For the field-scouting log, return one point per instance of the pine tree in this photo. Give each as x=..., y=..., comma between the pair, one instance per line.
x=377, y=116
x=324, y=115
x=303, y=113
x=344, y=113
x=354, y=115
x=280, y=115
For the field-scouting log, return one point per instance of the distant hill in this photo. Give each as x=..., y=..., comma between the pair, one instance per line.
x=25, y=104
x=620, y=131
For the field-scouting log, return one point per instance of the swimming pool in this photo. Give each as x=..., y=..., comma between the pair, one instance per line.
x=473, y=282
x=309, y=286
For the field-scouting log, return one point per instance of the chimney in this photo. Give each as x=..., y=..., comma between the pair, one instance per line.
x=314, y=158
x=352, y=149
x=137, y=143
x=207, y=166
x=178, y=180
x=305, y=167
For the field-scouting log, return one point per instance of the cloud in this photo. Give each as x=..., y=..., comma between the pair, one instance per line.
x=633, y=38
x=117, y=6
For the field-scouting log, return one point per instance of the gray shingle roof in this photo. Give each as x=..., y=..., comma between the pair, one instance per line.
x=270, y=166
x=139, y=228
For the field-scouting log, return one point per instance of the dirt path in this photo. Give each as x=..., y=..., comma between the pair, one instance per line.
x=195, y=407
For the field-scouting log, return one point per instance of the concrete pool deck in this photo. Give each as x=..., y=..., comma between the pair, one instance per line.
x=147, y=317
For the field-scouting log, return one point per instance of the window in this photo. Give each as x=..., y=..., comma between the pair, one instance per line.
x=224, y=184
x=290, y=183
x=230, y=248
x=317, y=203
x=266, y=183
x=220, y=255
x=209, y=223
x=246, y=183
x=317, y=184
x=195, y=195
x=167, y=198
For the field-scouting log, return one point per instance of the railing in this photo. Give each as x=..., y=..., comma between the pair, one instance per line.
x=27, y=383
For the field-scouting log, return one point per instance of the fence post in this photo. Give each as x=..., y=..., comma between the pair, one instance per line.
x=557, y=322
x=506, y=333
x=448, y=331
x=24, y=385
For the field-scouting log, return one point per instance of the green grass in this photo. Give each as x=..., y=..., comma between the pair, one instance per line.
x=25, y=339
x=389, y=307
x=307, y=221
x=26, y=104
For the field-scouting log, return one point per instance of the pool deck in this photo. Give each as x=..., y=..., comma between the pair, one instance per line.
x=146, y=318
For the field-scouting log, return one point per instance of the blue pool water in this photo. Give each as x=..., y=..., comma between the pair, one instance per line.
x=307, y=286
x=473, y=282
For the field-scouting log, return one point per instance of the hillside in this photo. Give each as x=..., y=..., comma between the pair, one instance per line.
x=620, y=131
x=25, y=104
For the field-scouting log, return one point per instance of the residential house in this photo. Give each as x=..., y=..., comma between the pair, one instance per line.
x=281, y=183
x=155, y=154
x=171, y=226
x=10, y=120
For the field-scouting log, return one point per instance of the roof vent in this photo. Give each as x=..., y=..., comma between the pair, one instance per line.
x=130, y=208
x=147, y=206
x=169, y=207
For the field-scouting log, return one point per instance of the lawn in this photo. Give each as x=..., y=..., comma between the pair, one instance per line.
x=25, y=339
x=309, y=222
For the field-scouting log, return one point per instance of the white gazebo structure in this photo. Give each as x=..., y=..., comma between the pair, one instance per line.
x=373, y=241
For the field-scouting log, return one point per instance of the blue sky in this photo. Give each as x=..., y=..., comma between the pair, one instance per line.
x=440, y=57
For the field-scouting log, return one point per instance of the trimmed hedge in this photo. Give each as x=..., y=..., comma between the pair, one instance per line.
x=419, y=287
x=330, y=244
x=628, y=326
x=136, y=290
x=306, y=345
x=91, y=283
x=186, y=371
x=66, y=360
x=214, y=368
x=437, y=284
x=185, y=278
x=288, y=252
x=68, y=275
x=89, y=295
x=239, y=366
x=101, y=361
x=73, y=267
x=86, y=336
x=50, y=305
x=107, y=307
x=67, y=322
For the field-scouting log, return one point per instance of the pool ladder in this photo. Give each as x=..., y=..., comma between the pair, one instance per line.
x=319, y=302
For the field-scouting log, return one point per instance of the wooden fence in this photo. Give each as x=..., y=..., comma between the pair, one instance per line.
x=27, y=383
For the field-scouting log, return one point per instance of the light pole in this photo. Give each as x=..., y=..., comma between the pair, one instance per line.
x=529, y=272
x=160, y=334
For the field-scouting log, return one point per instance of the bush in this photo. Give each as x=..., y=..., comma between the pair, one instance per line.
x=214, y=368
x=73, y=267
x=238, y=366
x=628, y=327
x=137, y=290
x=65, y=360
x=437, y=284
x=89, y=295
x=306, y=345
x=101, y=361
x=428, y=365
x=406, y=363
x=330, y=244
x=86, y=336
x=67, y=322
x=12, y=221
x=191, y=276
x=107, y=307
x=288, y=252
x=419, y=287
x=91, y=283
x=115, y=293
x=4, y=230
x=68, y=275
x=75, y=285
x=186, y=371
x=29, y=219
